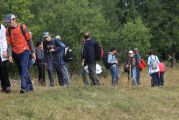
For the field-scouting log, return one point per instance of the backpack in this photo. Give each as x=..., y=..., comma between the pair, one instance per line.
x=105, y=61
x=142, y=64
x=154, y=63
x=68, y=54
x=99, y=51
x=21, y=28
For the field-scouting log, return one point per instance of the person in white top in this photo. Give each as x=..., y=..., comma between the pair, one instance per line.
x=4, y=77
x=153, y=62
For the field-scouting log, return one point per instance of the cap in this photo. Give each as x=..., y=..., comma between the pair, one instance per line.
x=9, y=17
x=135, y=49
x=58, y=37
x=130, y=52
x=45, y=34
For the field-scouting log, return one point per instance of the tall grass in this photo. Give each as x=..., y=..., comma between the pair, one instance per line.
x=95, y=103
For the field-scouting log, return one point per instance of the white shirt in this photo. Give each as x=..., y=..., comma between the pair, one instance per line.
x=150, y=59
x=3, y=42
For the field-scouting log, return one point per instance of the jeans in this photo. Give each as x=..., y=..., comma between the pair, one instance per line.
x=4, y=77
x=51, y=64
x=65, y=75
x=115, y=74
x=155, y=79
x=138, y=75
x=162, y=78
x=22, y=60
x=84, y=75
x=92, y=73
x=134, y=76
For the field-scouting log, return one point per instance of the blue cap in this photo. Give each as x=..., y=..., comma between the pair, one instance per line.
x=45, y=34
x=9, y=17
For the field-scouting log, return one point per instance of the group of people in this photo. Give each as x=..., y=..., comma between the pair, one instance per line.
x=16, y=46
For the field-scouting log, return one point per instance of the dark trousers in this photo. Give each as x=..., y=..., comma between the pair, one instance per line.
x=155, y=79
x=57, y=65
x=138, y=75
x=41, y=73
x=162, y=78
x=92, y=73
x=4, y=77
x=22, y=60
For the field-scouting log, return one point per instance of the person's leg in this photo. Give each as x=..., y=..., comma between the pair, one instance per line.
x=84, y=77
x=65, y=74
x=92, y=73
x=4, y=77
x=154, y=78
x=117, y=74
x=114, y=74
x=138, y=75
x=43, y=75
x=50, y=72
x=158, y=81
x=134, y=75
x=162, y=78
x=26, y=84
x=59, y=67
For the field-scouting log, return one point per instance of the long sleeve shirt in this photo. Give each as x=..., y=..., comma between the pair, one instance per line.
x=111, y=58
x=3, y=42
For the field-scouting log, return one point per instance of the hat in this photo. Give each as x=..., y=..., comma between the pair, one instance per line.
x=130, y=52
x=58, y=37
x=9, y=17
x=45, y=34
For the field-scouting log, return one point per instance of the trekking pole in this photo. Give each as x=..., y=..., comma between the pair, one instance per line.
x=130, y=76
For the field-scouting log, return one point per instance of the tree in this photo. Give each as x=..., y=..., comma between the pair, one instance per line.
x=135, y=35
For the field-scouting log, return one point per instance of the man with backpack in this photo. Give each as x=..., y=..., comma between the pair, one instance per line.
x=20, y=46
x=113, y=66
x=52, y=58
x=63, y=62
x=89, y=58
x=153, y=62
x=4, y=77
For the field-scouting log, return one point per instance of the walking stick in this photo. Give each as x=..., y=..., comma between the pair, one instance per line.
x=130, y=76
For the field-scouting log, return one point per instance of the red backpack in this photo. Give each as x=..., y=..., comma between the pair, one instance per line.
x=142, y=64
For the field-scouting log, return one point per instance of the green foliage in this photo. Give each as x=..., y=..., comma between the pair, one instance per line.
x=135, y=35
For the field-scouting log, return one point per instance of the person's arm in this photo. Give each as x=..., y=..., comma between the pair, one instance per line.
x=9, y=46
x=29, y=41
x=4, y=42
x=149, y=60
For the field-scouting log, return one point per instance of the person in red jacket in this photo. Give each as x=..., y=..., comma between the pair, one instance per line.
x=20, y=47
x=162, y=71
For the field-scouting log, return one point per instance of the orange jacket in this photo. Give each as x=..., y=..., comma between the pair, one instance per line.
x=17, y=40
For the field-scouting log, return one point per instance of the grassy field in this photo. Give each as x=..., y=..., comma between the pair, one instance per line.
x=95, y=103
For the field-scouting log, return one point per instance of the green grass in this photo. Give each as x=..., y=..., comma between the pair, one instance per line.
x=95, y=103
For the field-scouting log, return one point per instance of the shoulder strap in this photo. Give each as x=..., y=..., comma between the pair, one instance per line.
x=22, y=30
